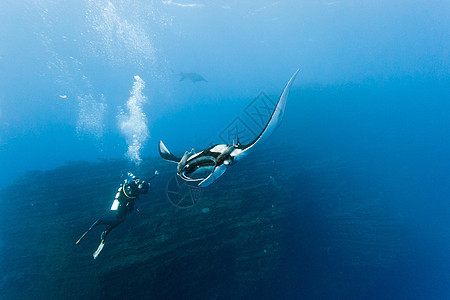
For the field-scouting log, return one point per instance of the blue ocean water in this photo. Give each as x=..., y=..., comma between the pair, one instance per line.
x=96, y=80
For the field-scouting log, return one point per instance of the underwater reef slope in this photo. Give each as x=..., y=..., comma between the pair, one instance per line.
x=284, y=227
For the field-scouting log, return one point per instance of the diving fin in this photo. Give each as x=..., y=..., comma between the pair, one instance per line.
x=218, y=171
x=81, y=237
x=99, y=249
x=90, y=228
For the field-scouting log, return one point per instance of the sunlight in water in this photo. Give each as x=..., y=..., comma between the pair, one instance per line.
x=119, y=36
x=133, y=122
x=91, y=116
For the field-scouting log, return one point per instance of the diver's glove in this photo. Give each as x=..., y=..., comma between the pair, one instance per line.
x=154, y=175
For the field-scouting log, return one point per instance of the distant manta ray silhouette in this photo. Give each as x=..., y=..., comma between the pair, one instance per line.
x=194, y=77
x=208, y=165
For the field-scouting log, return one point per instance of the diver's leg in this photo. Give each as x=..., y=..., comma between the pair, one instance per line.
x=98, y=222
x=108, y=221
x=105, y=233
x=119, y=217
x=111, y=227
x=102, y=242
x=103, y=237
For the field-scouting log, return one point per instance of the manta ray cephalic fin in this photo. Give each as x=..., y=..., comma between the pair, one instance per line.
x=218, y=171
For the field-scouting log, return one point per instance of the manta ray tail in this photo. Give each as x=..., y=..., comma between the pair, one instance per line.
x=165, y=153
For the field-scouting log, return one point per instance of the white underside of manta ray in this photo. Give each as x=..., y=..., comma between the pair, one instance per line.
x=208, y=165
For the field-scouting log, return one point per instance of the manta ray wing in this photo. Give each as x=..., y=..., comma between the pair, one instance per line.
x=277, y=115
x=218, y=171
x=165, y=153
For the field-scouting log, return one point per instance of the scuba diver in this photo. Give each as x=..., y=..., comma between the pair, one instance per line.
x=123, y=204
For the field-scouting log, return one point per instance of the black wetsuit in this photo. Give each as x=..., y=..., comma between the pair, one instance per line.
x=123, y=204
x=127, y=194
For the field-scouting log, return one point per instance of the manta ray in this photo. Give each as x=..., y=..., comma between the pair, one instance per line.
x=208, y=165
x=194, y=77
